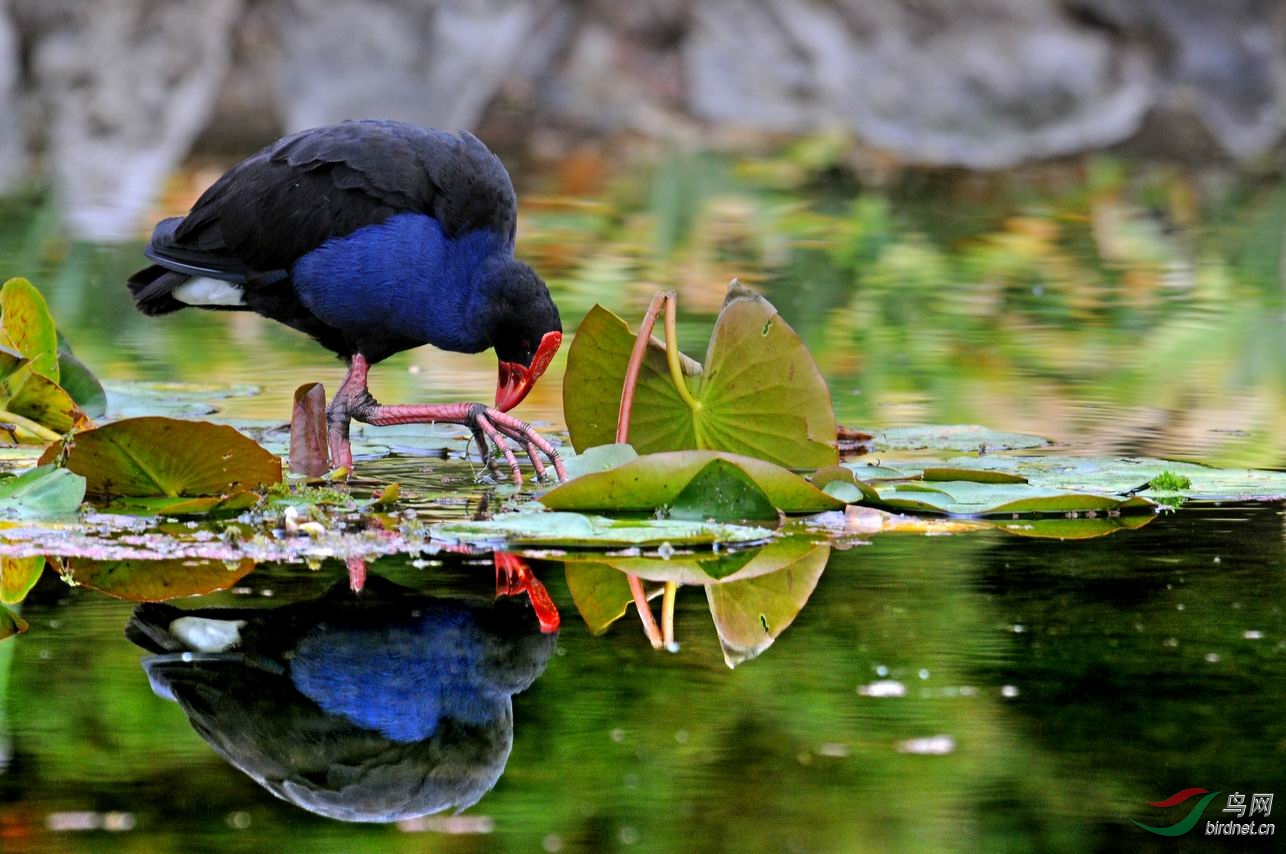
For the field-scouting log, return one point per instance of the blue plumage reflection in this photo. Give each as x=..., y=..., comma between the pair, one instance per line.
x=374, y=706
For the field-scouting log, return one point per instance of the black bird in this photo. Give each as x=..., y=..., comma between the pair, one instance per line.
x=381, y=706
x=373, y=237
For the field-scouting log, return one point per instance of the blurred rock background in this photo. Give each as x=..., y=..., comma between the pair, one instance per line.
x=105, y=98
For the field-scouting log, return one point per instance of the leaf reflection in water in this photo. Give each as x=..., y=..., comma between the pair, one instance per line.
x=754, y=595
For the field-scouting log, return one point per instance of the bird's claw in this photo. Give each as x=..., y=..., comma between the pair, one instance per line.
x=491, y=427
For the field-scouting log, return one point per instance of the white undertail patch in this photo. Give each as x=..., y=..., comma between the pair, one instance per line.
x=202, y=291
x=201, y=634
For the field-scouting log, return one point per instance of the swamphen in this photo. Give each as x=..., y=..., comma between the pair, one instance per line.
x=378, y=707
x=373, y=237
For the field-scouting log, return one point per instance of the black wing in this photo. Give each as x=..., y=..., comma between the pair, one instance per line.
x=278, y=205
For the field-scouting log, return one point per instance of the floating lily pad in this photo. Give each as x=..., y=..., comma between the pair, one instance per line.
x=125, y=400
x=760, y=392
x=1118, y=475
x=153, y=457
x=45, y=492
x=156, y=580
x=655, y=481
x=18, y=575
x=955, y=437
x=165, y=505
x=598, y=458
x=722, y=491
x=574, y=530
x=966, y=498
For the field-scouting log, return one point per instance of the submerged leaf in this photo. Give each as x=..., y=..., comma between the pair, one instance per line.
x=655, y=481
x=148, y=457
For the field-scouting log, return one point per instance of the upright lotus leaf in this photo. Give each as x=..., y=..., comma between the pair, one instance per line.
x=655, y=481
x=167, y=457
x=750, y=614
x=592, y=386
x=762, y=394
x=17, y=576
x=35, y=398
x=759, y=394
x=156, y=580
x=45, y=492
x=27, y=326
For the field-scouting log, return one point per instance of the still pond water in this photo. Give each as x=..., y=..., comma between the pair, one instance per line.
x=968, y=692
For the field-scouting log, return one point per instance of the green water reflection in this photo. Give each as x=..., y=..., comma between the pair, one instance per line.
x=1049, y=691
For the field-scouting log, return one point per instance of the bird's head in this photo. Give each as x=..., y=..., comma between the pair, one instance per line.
x=524, y=328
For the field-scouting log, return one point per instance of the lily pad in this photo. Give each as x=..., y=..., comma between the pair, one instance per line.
x=574, y=530
x=165, y=505
x=967, y=498
x=148, y=457
x=156, y=580
x=655, y=481
x=759, y=394
x=45, y=492
x=126, y=400
x=955, y=437
x=722, y=491
x=1121, y=475
x=598, y=458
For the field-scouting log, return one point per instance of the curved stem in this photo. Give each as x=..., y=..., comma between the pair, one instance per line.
x=634, y=366
x=38, y=430
x=672, y=352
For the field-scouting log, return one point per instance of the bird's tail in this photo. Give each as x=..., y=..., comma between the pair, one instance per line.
x=152, y=289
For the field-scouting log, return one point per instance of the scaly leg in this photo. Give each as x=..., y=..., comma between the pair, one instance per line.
x=353, y=401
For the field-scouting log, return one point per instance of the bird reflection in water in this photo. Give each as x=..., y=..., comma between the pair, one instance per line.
x=375, y=706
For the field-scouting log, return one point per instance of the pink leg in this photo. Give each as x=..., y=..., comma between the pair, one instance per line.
x=354, y=401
